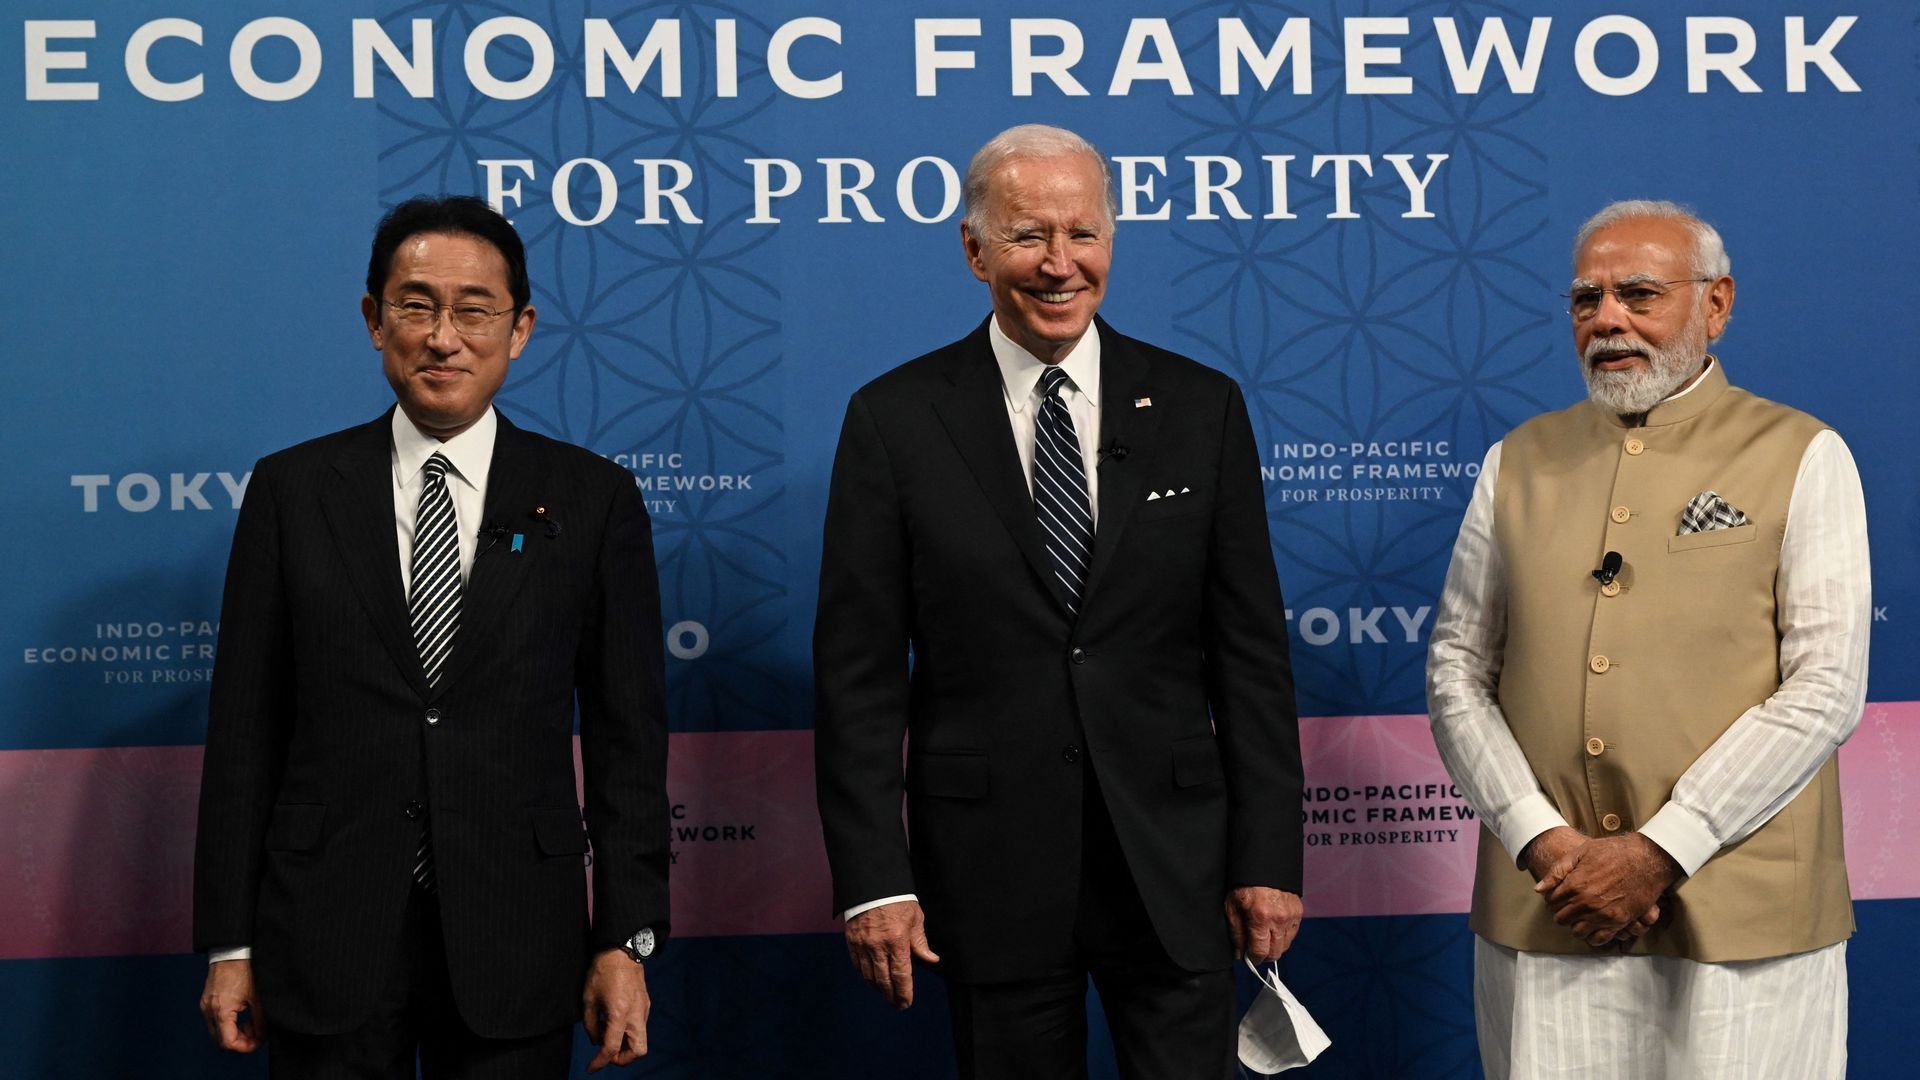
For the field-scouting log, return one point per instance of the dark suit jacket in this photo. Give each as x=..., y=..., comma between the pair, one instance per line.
x=1173, y=685
x=326, y=749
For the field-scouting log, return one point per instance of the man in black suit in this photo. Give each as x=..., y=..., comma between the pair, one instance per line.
x=390, y=846
x=1066, y=528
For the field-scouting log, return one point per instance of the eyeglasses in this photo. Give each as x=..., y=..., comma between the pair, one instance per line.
x=469, y=320
x=1639, y=298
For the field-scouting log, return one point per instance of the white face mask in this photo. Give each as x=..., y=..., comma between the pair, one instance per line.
x=1277, y=1034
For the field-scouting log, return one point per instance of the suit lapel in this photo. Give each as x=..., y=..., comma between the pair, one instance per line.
x=358, y=506
x=515, y=481
x=1123, y=381
x=974, y=413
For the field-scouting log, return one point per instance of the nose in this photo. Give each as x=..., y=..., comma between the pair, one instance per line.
x=444, y=339
x=1059, y=260
x=1610, y=318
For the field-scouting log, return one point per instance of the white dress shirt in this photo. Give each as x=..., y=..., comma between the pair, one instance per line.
x=1020, y=383
x=470, y=457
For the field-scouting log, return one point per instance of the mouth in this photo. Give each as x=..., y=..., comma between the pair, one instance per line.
x=1055, y=298
x=441, y=371
x=1616, y=358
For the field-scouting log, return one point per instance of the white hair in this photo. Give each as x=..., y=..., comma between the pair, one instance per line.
x=1026, y=141
x=1709, y=251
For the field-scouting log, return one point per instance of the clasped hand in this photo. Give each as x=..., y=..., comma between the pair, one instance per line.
x=1603, y=890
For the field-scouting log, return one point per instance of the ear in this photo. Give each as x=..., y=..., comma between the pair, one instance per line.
x=1718, y=305
x=370, y=311
x=522, y=330
x=971, y=246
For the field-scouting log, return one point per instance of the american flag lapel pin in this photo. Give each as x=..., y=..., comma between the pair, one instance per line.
x=1143, y=403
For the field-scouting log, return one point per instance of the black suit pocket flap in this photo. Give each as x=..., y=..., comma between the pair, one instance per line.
x=295, y=826
x=1196, y=761
x=559, y=831
x=954, y=776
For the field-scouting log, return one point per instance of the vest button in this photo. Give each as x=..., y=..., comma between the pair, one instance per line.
x=1611, y=588
x=433, y=716
x=1621, y=514
x=1078, y=656
x=1599, y=664
x=1611, y=823
x=1596, y=746
x=1636, y=447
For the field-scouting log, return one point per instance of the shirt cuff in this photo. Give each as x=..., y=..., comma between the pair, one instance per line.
x=882, y=902
x=241, y=952
x=1526, y=819
x=1682, y=834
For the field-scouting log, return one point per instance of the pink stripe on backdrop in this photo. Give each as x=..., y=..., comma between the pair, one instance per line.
x=98, y=843
x=1423, y=870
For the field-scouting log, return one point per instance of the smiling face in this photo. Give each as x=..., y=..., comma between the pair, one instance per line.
x=1634, y=360
x=445, y=380
x=1044, y=250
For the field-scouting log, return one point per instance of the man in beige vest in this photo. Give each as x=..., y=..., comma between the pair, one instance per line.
x=1652, y=640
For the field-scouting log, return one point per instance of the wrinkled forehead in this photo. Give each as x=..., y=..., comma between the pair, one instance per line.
x=1069, y=184
x=1636, y=249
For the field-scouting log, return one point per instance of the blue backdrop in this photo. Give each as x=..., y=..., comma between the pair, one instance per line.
x=184, y=278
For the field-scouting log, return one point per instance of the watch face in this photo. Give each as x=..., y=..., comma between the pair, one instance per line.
x=642, y=943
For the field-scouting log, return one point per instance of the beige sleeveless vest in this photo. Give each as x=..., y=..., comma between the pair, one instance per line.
x=1612, y=693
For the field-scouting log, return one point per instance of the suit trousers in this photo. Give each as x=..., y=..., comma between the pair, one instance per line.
x=416, y=1014
x=1168, y=1023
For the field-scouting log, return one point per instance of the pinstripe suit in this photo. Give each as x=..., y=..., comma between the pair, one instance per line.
x=326, y=747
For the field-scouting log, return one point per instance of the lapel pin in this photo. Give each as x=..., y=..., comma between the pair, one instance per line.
x=1143, y=403
x=519, y=541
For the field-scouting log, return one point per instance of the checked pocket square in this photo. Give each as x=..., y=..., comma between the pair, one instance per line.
x=1707, y=512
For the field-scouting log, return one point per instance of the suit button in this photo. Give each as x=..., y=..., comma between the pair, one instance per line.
x=1596, y=746
x=1621, y=514
x=412, y=809
x=1635, y=447
x=1078, y=656
x=1611, y=823
x=1599, y=664
x=1070, y=754
x=433, y=716
x=1611, y=588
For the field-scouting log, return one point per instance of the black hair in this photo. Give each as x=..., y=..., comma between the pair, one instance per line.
x=462, y=215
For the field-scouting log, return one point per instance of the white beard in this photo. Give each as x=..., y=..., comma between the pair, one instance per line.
x=1637, y=390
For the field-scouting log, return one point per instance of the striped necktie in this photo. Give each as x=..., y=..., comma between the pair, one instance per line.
x=1060, y=488
x=433, y=601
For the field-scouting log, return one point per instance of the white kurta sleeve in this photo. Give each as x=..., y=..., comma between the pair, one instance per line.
x=1774, y=749
x=1464, y=658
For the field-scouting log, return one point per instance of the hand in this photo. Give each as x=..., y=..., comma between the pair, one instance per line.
x=1607, y=885
x=614, y=1007
x=884, y=941
x=228, y=994
x=1543, y=851
x=1263, y=921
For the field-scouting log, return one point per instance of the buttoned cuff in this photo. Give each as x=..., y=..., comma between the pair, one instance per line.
x=871, y=904
x=242, y=952
x=1524, y=820
x=1682, y=834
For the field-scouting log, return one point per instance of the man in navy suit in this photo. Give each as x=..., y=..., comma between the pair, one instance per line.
x=390, y=847
x=1066, y=530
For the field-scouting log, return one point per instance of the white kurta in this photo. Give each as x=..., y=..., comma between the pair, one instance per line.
x=1649, y=1018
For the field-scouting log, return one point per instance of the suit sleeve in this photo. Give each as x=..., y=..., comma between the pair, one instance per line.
x=620, y=675
x=860, y=642
x=249, y=722
x=1249, y=672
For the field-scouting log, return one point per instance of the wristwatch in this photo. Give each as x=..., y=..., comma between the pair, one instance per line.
x=640, y=946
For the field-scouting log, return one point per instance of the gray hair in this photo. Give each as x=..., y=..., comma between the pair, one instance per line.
x=1026, y=141
x=1709, y=251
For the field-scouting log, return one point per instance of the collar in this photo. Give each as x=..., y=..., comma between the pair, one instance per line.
x=470, y=452
x=1020, y=370
x=1684, y=404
